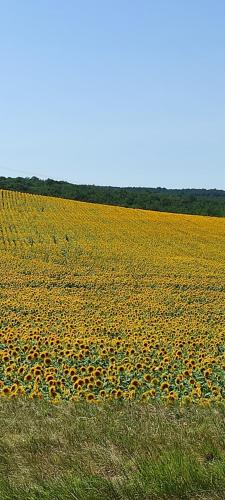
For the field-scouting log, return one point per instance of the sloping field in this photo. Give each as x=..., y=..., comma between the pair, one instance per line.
x=104, y=302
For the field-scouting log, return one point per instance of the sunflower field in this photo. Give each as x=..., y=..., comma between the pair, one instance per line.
x=100, y=302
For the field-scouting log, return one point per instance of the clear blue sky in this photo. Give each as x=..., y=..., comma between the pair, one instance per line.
x=114, y=92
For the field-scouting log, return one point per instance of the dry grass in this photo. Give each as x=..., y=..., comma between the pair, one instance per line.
x=114, y=451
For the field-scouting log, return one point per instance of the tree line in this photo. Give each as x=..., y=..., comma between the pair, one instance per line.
x=187, y=201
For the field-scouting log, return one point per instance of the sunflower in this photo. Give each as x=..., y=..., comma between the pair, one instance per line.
x=13, y=388
x=207, y=373
x=89, y=396
x=134, y=383
x=164, y=386
x=6, y=390
x=119, y=394
x=52, y=391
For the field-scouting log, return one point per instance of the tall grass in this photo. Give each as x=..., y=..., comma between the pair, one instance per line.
x=112, y=451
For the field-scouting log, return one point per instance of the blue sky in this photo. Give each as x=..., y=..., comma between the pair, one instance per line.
x=114, y=92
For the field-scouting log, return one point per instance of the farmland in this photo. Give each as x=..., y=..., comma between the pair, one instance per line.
x=100, y=303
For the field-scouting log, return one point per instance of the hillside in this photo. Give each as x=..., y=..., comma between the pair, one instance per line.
x=99, y=302
x=187, y=201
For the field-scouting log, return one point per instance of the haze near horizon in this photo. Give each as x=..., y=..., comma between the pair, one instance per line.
x=114, y=93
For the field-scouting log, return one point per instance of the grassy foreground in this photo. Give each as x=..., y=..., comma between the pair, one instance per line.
x=121, y=450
